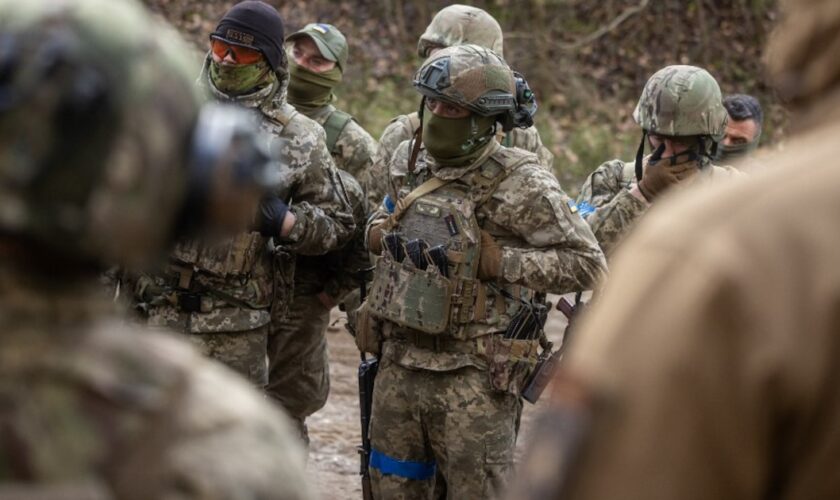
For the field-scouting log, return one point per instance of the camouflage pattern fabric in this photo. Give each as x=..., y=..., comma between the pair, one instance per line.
x=242, y=280
x=354, y=149
x=402, y=129
x=243, y=352
x=609, y=208
x=548, y=247
x=451, y=425
x=122, y=189
x=87, y=397
x=545, y=247
x=299, y=376
x=460, y=25
x=682, y=101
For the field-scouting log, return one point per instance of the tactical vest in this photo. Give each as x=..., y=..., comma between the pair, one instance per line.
x=458, y=305
x=237, y=275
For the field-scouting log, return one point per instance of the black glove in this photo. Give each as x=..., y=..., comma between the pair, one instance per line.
x=270, y=218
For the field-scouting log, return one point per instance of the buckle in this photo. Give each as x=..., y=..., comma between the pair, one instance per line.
x=189, y=302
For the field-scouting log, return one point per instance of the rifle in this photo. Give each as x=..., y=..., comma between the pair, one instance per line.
x=367, y=375
x=547, y=363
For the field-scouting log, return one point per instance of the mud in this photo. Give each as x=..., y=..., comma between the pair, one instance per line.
x=335, y=430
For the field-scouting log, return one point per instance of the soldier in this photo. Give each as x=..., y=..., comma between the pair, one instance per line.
x=712, y=369
x=318, y=58
x=93, y=408
x=298, y=363
x=682, y=118
x=298, y=372
x=453, y=25
x=743, y=130
x=227, y=295
x=479, y=233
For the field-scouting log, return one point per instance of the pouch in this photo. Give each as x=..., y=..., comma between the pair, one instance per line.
x=368, y=330
x=411, y=297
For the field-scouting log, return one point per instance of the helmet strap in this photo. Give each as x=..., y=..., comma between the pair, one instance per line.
x=417, y=139
x=640, y=153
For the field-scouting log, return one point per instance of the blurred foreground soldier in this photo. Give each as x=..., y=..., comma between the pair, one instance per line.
x=682, y=118
x=453, y=25
x=709, y=369
x=743, y=130
x=318, y=60
x=225, y=294
x=92, y=408
x=479, y=234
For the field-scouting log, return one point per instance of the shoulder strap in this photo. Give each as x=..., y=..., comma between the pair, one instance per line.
x=508, y=140
x=418, y=192
x=414, y=121
x=334, y=125
x=403, y=204
x=498, y=167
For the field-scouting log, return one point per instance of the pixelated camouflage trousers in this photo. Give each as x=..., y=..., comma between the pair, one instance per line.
x=440, y=426
x=299, y=376
x=244, y=352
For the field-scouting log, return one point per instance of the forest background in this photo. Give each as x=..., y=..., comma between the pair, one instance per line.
x=587, y=60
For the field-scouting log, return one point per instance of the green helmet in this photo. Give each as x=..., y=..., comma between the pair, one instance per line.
x=461, y=25
x=682, y=101
x=478, y=79
x=98, y=118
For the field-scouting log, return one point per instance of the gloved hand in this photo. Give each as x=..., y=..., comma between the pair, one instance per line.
x=490, y=258
x=661, y=175
x=375, y=236
x=270, y=216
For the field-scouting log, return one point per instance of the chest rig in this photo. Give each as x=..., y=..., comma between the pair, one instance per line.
x=449, y=299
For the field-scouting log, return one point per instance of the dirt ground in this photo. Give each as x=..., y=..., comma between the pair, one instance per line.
x=335, y=430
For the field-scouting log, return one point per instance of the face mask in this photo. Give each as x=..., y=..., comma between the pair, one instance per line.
x=240, y=78
x=457, y=141
x=307, y=88
x=735, y=152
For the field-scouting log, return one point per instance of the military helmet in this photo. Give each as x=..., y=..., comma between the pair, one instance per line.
x=98, y=113
x=682, y=101
x=478, y=79
x=460, y=25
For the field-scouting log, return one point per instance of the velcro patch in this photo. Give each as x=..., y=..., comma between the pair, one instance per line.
x=239, y=36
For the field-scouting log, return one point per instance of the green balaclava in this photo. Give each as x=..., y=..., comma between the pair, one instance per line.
x=310, y=89
x=457, y=141
x=241, y=79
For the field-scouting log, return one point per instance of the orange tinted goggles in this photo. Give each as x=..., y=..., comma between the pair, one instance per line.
x=242, y=55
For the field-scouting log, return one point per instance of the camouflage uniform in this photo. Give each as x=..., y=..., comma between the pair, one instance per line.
x=668, y=107
x=298, y=376
x=449, y=402
x=709, y=367
x=453, y=25
x=609, y=208
x=92, y=408
x=353, y=149
x=239, y=286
